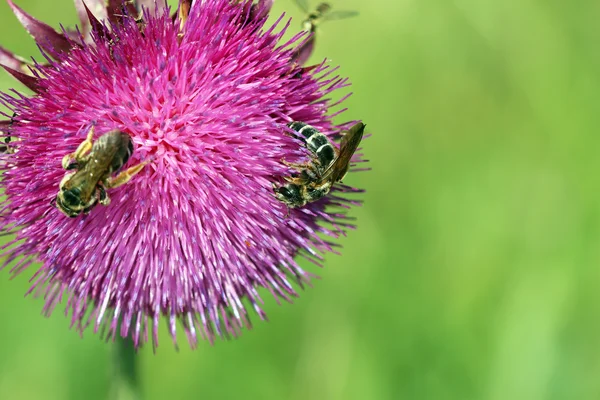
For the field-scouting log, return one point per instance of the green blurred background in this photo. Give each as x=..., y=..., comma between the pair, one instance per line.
x=475, y=271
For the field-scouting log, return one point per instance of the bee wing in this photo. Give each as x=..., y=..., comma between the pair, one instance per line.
x=302, y=54
x=339, y=14
x=348, y=146
x=303, y=4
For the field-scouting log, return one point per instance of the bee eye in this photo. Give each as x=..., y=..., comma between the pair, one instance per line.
x=286, y=192
x=65, y=208
x=71, y=198
x=73, y=165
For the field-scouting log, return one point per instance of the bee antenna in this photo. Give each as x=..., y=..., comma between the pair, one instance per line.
x=53, y=202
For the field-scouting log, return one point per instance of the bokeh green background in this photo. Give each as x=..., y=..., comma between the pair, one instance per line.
x=475, y=271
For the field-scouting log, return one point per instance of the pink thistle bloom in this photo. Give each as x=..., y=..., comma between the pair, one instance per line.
x=205, y=95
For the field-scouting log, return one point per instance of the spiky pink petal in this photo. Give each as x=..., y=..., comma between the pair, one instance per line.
x=52, y=42
x=31, y=82
x=304, y=51
x=13, y=61
x=98, y=10
x=96, y=25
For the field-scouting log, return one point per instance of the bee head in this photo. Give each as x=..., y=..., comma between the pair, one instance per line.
x=69, y=202
x=289, y=194
x=315, y=192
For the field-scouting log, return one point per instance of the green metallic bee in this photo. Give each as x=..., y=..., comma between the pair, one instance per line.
x=95, y=163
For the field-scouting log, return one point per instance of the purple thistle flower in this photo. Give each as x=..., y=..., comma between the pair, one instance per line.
x=205, y=95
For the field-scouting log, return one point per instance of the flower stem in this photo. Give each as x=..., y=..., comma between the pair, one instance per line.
x=124, y=380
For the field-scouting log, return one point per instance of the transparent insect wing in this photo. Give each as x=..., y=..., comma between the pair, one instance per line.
x=341, y=14
x=303, y=4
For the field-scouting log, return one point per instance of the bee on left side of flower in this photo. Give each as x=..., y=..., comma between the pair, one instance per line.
x=5, y=147
x=95, y=163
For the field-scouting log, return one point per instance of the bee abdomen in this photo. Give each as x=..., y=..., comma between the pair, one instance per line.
x=326, y=155
x=316, y=142
x=121, y=145
x=290, y=194
x=304, y=129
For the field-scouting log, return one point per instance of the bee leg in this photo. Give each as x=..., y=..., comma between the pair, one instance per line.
x=310, y=174
x=307, y=171
x=296, y=180
x=102, y=196
x=72, y=165
x=310, y=170
x=276, y=189
x=79, y=154
x=299, y=167
x=124, y=176
x=184, y=11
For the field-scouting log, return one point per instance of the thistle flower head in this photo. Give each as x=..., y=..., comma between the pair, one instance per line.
x=205, y=94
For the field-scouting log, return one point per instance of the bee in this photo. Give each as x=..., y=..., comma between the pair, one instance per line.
x=5, y=147
x=328, y=166
x=95, y=163
x=323, y=12
x=313, y=19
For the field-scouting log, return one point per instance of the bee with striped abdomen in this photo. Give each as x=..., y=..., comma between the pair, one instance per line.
x=328, y=166
x=95, y=163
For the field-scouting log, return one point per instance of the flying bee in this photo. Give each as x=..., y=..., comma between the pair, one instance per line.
x=328, y=166
x=313, y=19
x=95, y=163
x=322, y=13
